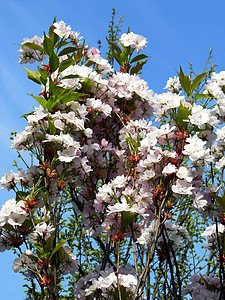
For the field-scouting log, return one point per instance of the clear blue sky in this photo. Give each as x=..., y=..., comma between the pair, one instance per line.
x=178, y=32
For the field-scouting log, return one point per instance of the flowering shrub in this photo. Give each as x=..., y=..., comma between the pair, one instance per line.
x=121, y=179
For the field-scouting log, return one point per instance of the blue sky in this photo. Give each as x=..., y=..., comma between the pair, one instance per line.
x=178, y=32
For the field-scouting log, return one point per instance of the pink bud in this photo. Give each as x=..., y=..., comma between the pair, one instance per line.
x=94, y=51
x=28, y=252
x=104, y=143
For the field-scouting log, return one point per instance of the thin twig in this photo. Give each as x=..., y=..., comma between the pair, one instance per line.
x=118, y=265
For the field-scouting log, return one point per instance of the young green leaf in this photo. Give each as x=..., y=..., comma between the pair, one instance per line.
x=71, y=76
x=117, y=57
x=49, y=243
x=61, y=44
x=57, y=247
x=54, y=37
x=220, y=200
x=34, y=76
x=139, y=57
x=44, y=75
x=33, y=46
x=21, y=195
x=87, y=85
x=202, y=96
x=53, y=62
x=61, y=255
x=43, y=72
x=40, y=100
x=67, y=50
x=114, y=46
x=198, y=80
x=127, y=218
x=44, y=197
x=51, y=126
x=182, y=116
x=65, y=64
x=123, y=47
x=69, y=96
x=48, y=45
x=89, y=63
x=185, y=82
x=137, y=68
x=123, y=58
x=52, y=101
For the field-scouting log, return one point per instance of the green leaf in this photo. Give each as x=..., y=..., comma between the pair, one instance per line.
x=123, y=47
x=52, y=86
x=124, y=294
x=44, y=197
x=9, y=227
x=117, y=57
x=131, y=144
x=114, y=46
x=69, y=96
x=44, y=75
x=20, y=195
x=48, y=45
x=89, y=63
x=28, y=114
x=55, y=90
x=52, y=101
x=40, y=100
x=71, y=76
x=137, y=68
x=61, y=255
x=43, y=80
x=65, y=64
x=39, y=250
x=52, y=127
x=61, y=44
x=57, y=247
x=40, y=137
x=53, y=62
x=198, y=80
x=49, y=243
x=220, y=200
x=185, y=82
x=43, y=72
x=202, y=96
x=139, y=57
x=54, y=37
x=127, y=218
x=33, y=46
x=123, y=58
x=67, y=50
x=34, y=76
x=87, y=85
x=182, y=116
x=34, y=259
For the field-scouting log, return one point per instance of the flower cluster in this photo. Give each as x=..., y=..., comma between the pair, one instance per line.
x=106, y=281
x=30, y=55
x=105, y=169
x=203, y=287
x=133, y=40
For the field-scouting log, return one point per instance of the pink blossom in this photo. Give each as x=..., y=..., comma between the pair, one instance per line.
x=169, y=169
x=104, y=143
x=62, y=30
x=28, y=252
x=69, y=154
x=133, y=40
